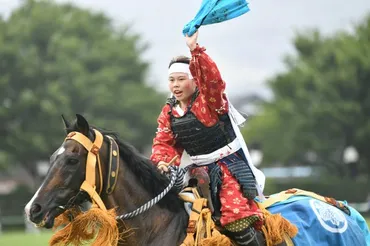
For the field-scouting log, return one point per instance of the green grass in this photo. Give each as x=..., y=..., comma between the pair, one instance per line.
x=23, y=239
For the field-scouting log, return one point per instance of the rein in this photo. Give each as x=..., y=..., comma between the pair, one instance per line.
x=89, y=186
x=155, y=200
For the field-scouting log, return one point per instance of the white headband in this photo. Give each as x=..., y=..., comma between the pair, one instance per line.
x=180, y=67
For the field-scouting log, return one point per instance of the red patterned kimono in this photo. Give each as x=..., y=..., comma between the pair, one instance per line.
x=210, y=103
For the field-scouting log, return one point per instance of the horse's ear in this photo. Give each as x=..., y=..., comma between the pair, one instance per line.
x=82, y=125
x=66, y=124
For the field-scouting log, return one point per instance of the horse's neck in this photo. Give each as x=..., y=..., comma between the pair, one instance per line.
x=150, y=226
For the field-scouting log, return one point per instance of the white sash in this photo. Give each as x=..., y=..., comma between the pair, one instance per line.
x=236, y=120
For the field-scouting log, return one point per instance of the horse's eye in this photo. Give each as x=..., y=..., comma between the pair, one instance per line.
x=72, y=161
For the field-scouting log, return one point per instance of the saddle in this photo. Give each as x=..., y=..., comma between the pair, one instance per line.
x=198, y=178
x=204, y=226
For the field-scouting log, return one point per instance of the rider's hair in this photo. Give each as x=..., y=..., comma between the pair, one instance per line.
x=179, y=59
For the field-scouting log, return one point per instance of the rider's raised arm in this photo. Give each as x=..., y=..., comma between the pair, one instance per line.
x=209, y=81
x=164, y=148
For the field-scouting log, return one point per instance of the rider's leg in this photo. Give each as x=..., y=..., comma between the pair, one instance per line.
x=248, y=236
x=239, y=215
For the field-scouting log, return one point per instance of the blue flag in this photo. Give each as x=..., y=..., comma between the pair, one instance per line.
x=215, y=11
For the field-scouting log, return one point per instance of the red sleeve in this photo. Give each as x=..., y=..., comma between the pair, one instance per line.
x=208, y=80
x=163, y=148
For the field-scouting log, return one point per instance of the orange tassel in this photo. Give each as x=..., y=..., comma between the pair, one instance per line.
x=96, y=226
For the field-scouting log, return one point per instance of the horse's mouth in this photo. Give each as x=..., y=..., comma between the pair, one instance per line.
x=48, y=220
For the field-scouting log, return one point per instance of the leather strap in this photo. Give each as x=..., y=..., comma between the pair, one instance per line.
x=113, y=165
x=198, y=204
x=197, y=207
x=89, y=185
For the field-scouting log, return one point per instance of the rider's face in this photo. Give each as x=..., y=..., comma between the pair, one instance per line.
x=181, y=86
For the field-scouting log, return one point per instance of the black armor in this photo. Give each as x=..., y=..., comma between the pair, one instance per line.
x=196, y=138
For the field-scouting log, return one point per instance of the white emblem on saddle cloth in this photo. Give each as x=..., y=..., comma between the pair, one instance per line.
x=331, y=218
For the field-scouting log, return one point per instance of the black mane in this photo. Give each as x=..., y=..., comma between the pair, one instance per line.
x=144, y=169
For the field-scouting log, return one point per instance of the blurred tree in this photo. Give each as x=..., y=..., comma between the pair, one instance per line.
x=321, y=103
x=60, y=59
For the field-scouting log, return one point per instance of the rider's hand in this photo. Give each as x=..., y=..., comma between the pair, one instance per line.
x=163, y=167
x=192, y=41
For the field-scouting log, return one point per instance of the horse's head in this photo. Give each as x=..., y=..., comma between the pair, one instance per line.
x=94, y=164
x=63, y=181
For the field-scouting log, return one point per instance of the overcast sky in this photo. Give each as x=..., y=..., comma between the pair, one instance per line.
x=248, y=49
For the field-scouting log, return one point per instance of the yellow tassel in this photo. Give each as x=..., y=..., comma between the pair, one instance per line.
x=212, y=236
x=64, y=218
x=189, y=240
x=93, y=224
x=276, y=228
x=217, y=239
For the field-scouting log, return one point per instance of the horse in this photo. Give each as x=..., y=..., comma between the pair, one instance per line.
x=137, y=182
x=133, y=182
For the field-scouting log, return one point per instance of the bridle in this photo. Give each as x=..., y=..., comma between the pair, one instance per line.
x=89, y=184
x=93, y=148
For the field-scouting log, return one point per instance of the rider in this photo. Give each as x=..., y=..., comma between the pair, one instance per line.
x=195, y=122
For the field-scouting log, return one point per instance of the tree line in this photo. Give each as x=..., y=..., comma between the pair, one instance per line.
x=61, y=59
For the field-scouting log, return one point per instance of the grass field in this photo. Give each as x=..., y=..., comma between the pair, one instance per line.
x=22, y=239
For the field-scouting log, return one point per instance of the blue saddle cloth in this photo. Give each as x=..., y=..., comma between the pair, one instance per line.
x=321, y=224
x=215, y=11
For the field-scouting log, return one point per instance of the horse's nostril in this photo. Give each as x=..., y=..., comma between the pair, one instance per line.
x=36, y=208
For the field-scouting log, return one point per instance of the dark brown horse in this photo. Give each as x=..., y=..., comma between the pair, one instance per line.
x=138, y=181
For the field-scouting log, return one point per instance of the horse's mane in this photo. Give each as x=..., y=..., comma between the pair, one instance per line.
x=144, y=169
